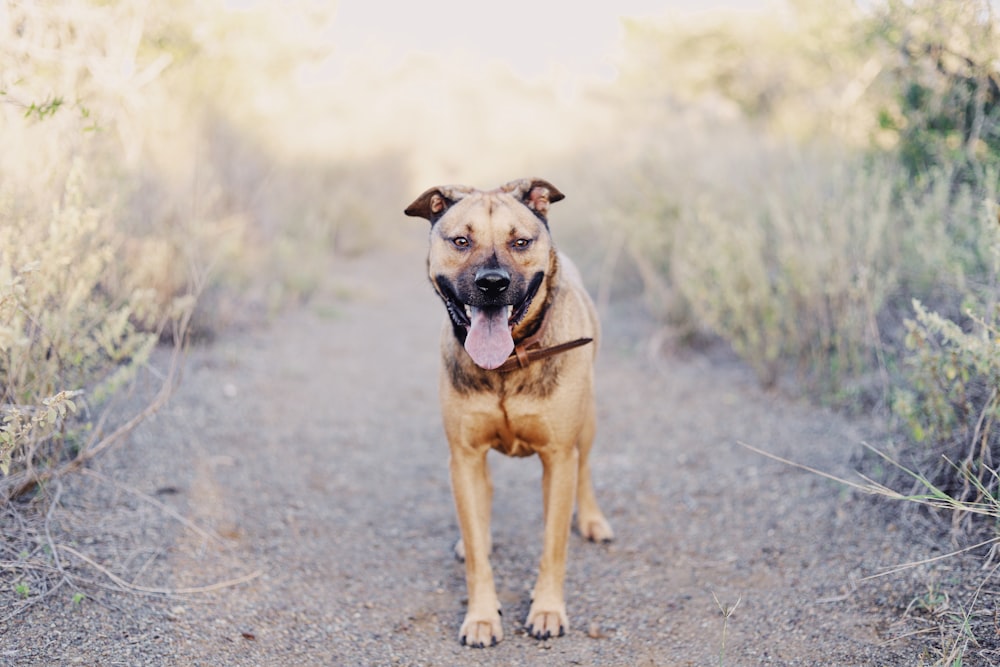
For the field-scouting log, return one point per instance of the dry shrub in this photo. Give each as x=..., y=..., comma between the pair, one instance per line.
x=67, y=342
x=742, y=220
x=125, y=189
x=795, y=276
x=785, y=250
x=742, y=195
x=76, y=323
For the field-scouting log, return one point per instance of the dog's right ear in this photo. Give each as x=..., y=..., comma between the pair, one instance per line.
x=432, y=204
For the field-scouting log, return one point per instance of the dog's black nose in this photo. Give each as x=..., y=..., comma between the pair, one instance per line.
x=492, y=281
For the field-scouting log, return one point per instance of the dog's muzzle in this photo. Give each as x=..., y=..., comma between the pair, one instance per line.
x=493, y=304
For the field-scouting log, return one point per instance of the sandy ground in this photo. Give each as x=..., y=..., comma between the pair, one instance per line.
x=310, y=455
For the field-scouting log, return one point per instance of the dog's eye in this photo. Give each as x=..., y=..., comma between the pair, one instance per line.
x=521, y=244
x=460, y=242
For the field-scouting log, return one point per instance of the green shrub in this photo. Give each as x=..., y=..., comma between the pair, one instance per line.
x=944, y=110
x=954, y=375
x=941, y=239
x=950, y=401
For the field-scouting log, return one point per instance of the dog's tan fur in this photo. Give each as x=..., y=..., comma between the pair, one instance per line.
x=545, y=409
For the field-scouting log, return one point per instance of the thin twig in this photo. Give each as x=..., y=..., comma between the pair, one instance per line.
x=27, y=565
x=854, y=485
x=160, y=591
x=910, y=634
x=92, y=449
x=936, y=498
x=916, y=563
x=48, y=535
x=149, y=561
x=163, y=507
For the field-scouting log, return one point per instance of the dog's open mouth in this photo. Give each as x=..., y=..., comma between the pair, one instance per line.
x=488, y=337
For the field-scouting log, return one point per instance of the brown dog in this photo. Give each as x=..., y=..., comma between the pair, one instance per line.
x=518, y=351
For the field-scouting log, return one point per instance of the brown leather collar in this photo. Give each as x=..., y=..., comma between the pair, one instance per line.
x=525, y=352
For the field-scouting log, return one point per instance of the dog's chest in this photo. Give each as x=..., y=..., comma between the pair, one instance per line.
x=517, y=440
x=514, y=433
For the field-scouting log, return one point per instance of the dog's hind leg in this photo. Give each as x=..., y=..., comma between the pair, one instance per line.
x=590, y=520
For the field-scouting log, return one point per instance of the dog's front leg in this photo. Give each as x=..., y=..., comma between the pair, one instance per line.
x=470, y=486
x=547, y=616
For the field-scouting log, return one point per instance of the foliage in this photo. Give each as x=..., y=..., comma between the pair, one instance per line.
x=124, y=189
x=954, y=377
x=803, y=70
x=951, y=397
x=798, y=275
x=798, y=255
x=945, y=106
x=769, y=236
x=943, y=239
x=872, y=269
x=65, y=339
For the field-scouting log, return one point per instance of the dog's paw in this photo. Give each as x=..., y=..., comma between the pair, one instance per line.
x=481, y=630
x=545, y=624
x=595, y=528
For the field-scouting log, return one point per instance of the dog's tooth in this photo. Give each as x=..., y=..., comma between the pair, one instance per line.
x=510, y=311
x=468, y=311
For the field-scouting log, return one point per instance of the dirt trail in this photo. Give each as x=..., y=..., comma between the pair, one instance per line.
x=313, y=449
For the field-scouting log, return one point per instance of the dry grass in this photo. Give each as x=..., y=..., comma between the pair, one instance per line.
x=963, y=619
x=130, y=199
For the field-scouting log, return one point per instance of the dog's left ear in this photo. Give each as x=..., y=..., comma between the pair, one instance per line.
x=535, y=193
x=432, y=204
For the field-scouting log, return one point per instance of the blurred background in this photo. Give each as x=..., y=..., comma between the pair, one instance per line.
x=813, y=184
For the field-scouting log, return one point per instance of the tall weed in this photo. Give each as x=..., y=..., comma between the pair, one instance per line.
x=66, y=341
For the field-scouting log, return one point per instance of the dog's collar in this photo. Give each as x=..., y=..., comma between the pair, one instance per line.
x=525, y=352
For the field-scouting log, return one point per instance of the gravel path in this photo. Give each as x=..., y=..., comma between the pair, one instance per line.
x=311, y=453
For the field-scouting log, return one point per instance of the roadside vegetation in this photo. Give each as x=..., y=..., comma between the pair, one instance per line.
x=816, y=187
x=832, y=212
x=819, y=190
x=149, y=193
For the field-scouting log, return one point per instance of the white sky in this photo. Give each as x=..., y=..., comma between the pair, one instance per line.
x=531, y=36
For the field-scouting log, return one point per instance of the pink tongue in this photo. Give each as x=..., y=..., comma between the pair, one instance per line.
x=489, y=342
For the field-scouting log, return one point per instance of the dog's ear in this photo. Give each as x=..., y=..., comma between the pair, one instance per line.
x=535, y=193
x=432, y=204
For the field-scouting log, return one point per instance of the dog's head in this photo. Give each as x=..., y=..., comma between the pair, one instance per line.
x=490, y=254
